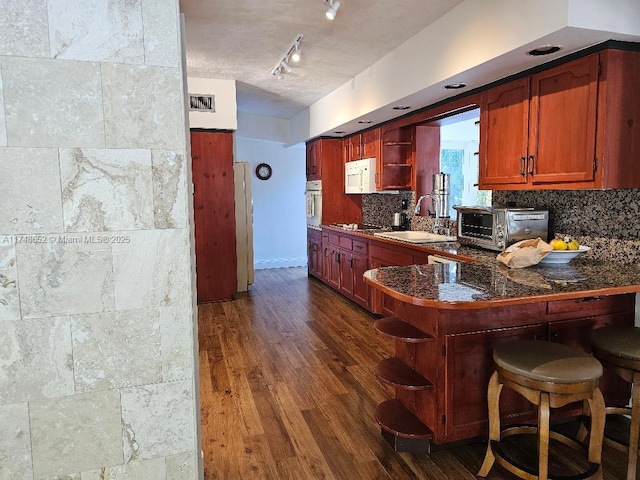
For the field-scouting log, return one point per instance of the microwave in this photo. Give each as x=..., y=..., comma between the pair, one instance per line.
x=495, y=228
x=360, y=176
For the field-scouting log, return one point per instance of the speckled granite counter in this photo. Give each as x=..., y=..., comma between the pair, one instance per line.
x=483, y=284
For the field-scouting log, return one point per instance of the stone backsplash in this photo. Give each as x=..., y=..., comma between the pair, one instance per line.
x=606, y=220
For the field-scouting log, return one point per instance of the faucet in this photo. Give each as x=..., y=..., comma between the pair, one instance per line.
x=417, y=209
x=437, y=226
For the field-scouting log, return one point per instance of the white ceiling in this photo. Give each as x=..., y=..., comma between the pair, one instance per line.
x=243, y=40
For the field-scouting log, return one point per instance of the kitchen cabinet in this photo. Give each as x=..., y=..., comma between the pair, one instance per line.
x=572, y=126
x=459, y=362
x=364, y=145
x=314, y=252
x=348, y=260
x=397, y=159
x=325, y=162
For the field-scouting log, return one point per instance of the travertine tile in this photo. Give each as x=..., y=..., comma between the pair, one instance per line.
x=176, y=328
x=158, y=420
x=35, y=359
x=51, y=275
x=96, y=30
x=169, y=189
x=24, y=28
x=154, y=469
x=3, y=123
x=76, y=433
x=140, y=105
x=161, y=39
x=30, y=191
x=9, y=300
x=15, y=442
x=106, y=189
x=116, y=349
x=51, y=103
x=153, y=270
x=182, y=467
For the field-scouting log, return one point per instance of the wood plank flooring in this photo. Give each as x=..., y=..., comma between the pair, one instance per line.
x=288, y=391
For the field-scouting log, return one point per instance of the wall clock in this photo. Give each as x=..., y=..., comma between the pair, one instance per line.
x=263, y=171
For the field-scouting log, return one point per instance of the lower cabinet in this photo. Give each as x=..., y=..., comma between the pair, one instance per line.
x=345, y=259
x=458, y=361
x=314, y=252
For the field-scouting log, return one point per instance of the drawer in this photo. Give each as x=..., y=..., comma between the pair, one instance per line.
x=346, y=243
x=390, y=256
x=334, y=239
x=360, y=247
x=592, y=305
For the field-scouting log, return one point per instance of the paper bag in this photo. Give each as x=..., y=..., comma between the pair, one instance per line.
x=525, y=253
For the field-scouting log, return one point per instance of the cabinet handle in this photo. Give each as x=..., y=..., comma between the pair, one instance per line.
x=523, y=161
x=314, y=247
x=532, y=160
x=591, y=299
x=337, y=257
x=351, y=263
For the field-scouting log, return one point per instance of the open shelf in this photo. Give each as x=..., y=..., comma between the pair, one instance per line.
x=404, y=165
x=395, y=373
x=394, y=417
x=397, y=328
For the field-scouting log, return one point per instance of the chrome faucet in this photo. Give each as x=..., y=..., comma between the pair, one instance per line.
x=417, y=209
x=437, y=226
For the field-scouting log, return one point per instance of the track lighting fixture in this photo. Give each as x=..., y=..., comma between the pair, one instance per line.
x=333, y=8
x=293, y=54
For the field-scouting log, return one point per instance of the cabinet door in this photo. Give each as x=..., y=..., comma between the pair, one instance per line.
x=504, y=125
x=355, y=147
x=326, y=260
x=469, y=358
x=345, y=261
x=562, y=134
x=333, y=264
x=370, y=143
x=314, y=258
x=360, y=287
x=313, y=160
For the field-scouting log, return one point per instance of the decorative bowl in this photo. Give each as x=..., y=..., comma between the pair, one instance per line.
x=563, y=256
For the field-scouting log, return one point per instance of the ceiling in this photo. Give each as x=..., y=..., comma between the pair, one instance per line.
x=243, y=40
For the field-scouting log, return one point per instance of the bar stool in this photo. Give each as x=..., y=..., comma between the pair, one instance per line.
x=618, y=348
x=548, y=375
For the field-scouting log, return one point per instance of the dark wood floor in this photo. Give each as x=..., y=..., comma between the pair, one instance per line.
x=288, y=391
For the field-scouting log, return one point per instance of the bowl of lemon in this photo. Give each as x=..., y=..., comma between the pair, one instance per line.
x=564, y=250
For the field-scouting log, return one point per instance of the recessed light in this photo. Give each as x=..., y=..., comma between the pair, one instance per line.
x=455, y=86
x=339, y=132
x=401, y=107
x=365, y=121
x=544, y=50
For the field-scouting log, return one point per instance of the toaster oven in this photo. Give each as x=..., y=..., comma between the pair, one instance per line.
x=495, y=228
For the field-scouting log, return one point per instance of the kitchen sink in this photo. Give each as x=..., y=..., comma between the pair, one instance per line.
x=413, y=236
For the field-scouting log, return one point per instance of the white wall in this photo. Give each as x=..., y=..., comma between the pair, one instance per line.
x=279, y=222
x=225, y=116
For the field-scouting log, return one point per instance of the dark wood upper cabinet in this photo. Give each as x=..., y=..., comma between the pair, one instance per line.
x=363, y=145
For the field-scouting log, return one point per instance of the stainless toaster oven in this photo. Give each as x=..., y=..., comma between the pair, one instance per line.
x=495, y=228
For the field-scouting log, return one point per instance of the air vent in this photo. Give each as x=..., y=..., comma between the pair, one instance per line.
x=202, y=103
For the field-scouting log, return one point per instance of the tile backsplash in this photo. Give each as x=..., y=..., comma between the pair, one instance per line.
x=606, y=220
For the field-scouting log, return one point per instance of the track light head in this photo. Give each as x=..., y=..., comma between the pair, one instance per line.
x=278, y=73
x=333, y=9
x=296, y=55
x=285, y=66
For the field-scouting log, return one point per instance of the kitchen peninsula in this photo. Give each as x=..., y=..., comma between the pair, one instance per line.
x=449, y=317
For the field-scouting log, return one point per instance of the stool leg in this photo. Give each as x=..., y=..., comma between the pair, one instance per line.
x=597, y=411
x=493, y=399
x=543, y=437
x=635, y=427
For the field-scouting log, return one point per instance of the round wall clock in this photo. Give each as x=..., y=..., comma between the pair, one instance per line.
x=263, y=171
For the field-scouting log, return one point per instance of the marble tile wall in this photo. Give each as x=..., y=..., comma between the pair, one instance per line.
x=97, y=342
x=605, y=220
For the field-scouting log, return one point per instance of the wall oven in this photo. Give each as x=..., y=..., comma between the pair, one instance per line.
x=313, y=194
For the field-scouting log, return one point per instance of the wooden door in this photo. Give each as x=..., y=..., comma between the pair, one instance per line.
x=562, y=134
x=333, y=267
x=214, y=215
x=355, y=148
x=469, y=360
x=314, y=253
x=313, y=160
x=504, y=125
x=345, y=261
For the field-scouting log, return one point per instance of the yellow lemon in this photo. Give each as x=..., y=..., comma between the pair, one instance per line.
x=558, y=244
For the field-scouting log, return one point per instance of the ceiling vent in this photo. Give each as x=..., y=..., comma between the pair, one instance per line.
x=202, y=103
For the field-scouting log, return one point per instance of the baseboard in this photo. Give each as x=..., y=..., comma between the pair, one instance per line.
x=280, y=263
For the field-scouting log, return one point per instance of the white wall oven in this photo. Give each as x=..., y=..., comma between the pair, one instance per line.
x=313, y=194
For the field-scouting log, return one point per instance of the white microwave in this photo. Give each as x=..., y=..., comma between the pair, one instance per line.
x=360, y=176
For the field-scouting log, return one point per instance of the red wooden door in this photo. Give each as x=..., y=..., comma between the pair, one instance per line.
x=214, y=215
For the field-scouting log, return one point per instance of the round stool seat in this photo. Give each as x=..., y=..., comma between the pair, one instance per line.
x=619, y=342
x=547, y=362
